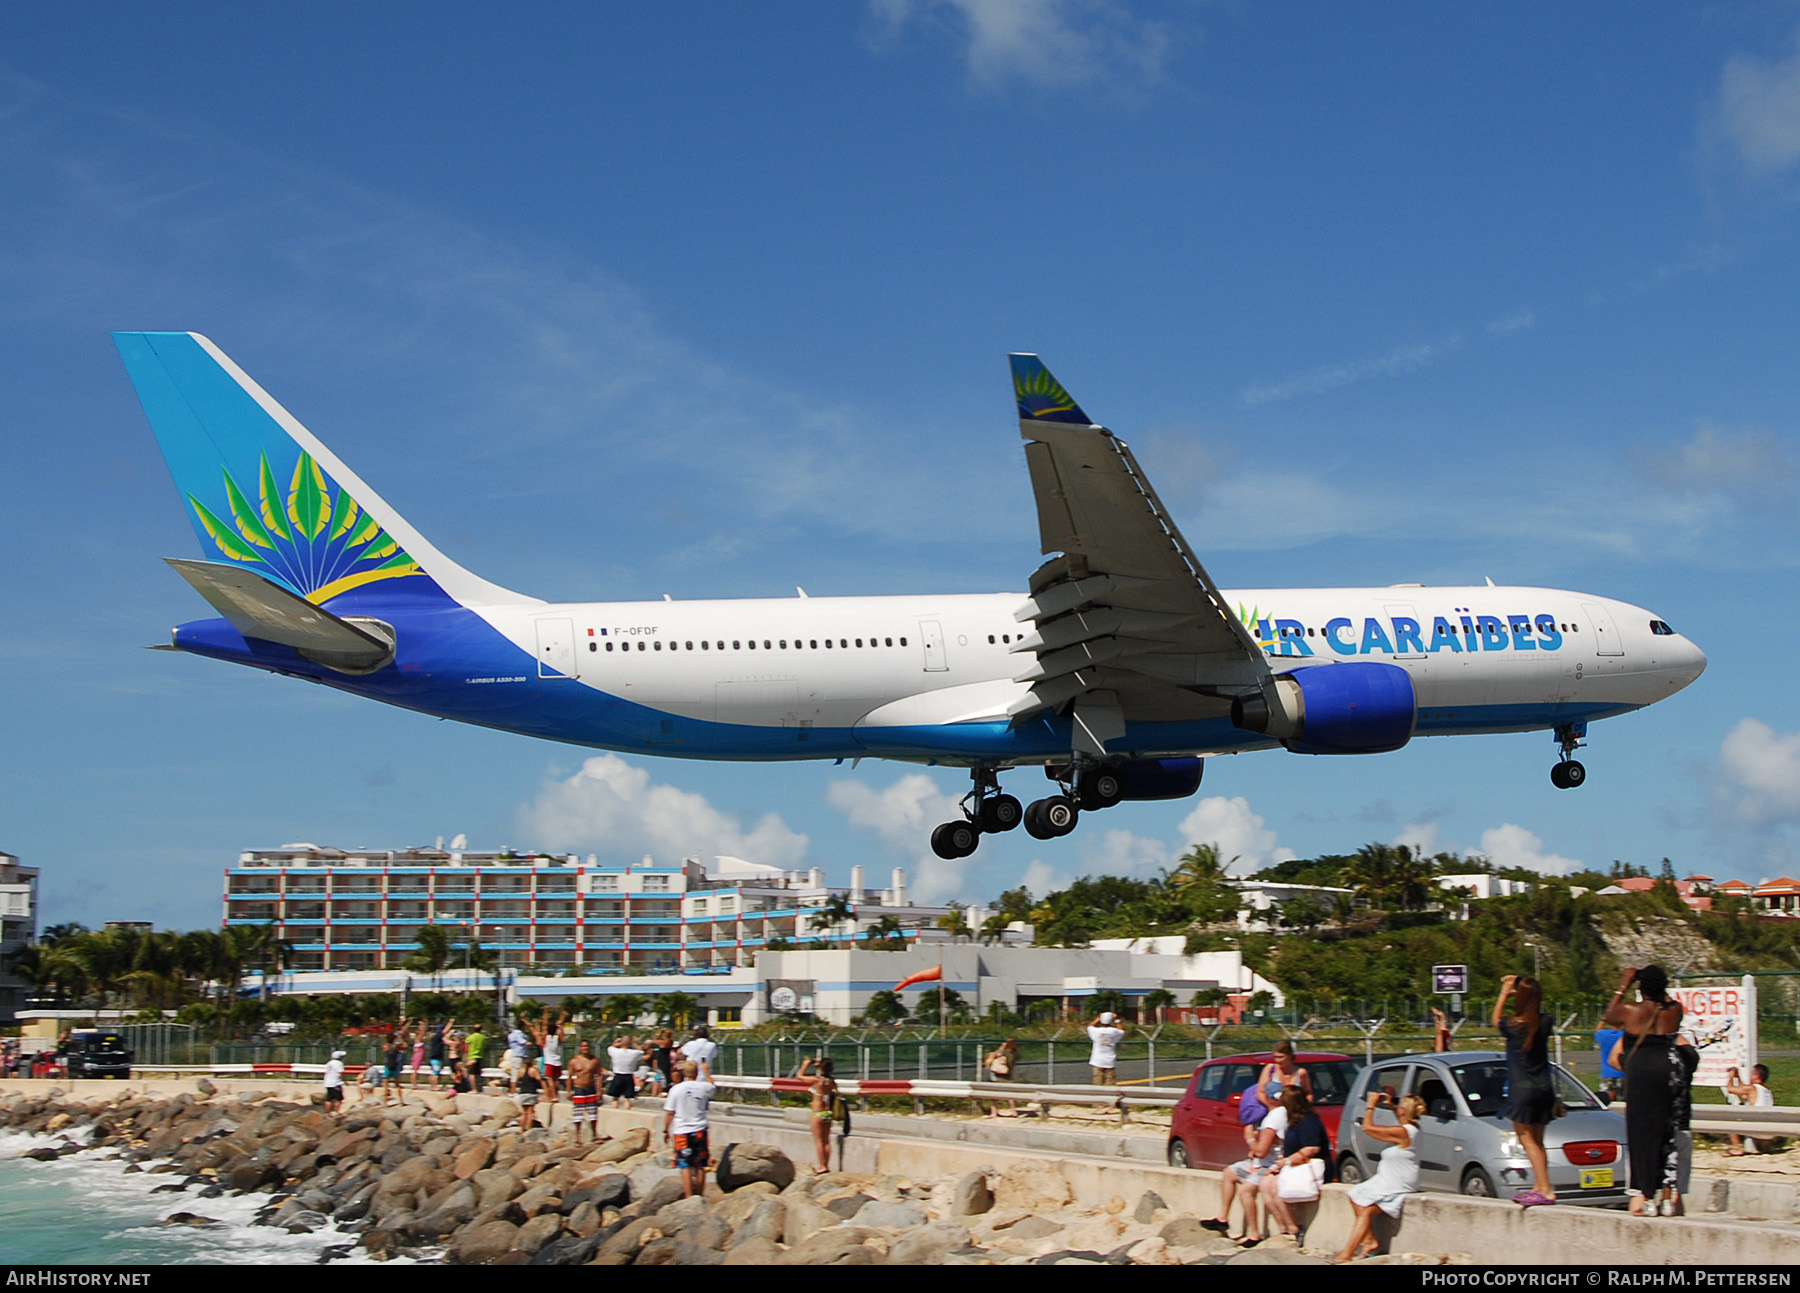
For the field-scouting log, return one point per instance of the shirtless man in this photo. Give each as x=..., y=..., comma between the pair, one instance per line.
x=824, y=1097
x=585, y=1072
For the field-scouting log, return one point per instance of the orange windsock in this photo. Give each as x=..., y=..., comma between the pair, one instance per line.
x=933, y=975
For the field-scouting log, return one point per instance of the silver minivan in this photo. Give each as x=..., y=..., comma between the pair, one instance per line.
x=1463, y=1144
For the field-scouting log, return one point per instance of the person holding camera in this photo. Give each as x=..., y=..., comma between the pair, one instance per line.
x=1530, y=1089
x=1396, y=1177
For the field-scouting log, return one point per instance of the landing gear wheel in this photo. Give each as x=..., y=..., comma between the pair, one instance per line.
x=955, y=840
x=1101, y=789
x=1034, y=822
x=1057, y=816
x=1001, y=813
x=1567, y=774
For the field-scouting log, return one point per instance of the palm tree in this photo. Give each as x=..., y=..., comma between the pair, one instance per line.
x=956, y=923
x=1159, y=1000
x=888, y=927
x=624, y=1008
x=993, y=929
x=55, y=934
x=677, y=1007
x=835, y=912
x=1199, y=865
x=433, y=955
x=884, y=1007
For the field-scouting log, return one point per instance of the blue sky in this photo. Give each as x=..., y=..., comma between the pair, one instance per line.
x=715, y=300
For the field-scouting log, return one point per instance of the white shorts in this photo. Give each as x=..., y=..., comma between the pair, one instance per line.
x=1248, y=1171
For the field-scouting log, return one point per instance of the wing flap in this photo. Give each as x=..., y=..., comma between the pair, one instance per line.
x=260, y=608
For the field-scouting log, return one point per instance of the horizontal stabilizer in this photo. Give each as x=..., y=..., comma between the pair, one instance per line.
x=261, y=608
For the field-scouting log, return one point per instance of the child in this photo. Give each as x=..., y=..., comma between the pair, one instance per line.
x=526, y=1091
x=1757, y=1094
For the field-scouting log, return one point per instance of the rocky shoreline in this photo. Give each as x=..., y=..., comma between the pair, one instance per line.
x=445, y=1181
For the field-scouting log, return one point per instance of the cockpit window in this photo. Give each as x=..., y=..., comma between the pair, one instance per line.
x=1661, y=629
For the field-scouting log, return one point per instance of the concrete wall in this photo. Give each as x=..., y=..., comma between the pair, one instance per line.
x=1489, y=1231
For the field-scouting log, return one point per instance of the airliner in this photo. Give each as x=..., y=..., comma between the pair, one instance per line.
x=1118, y=671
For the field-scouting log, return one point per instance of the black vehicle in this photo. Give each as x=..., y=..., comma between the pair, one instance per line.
x=97, y=1053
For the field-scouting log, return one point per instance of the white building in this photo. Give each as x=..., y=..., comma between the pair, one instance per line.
x=361, y=909
x=18, y=926
x=1263, y=899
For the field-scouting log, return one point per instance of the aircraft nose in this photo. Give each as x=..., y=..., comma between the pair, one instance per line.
x=1691, y=665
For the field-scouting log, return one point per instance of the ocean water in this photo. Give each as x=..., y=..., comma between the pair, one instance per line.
x=82, y=1210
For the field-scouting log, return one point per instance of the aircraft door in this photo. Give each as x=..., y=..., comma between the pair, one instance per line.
x=1606, y=635
x=556, y=649
x=1401, y=614
x=931, y=633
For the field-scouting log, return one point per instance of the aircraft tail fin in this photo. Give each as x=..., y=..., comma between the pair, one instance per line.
x=266, y=496
x=1041, y=397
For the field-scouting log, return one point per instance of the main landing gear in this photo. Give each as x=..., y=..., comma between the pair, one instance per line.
x=988, y=812
x=1568, y=772
x=985, y=812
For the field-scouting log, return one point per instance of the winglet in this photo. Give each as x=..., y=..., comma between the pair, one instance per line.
x=1041, y=397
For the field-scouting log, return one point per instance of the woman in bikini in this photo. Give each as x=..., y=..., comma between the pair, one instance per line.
x=824, y=1098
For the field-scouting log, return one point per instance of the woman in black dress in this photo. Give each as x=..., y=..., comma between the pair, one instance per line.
x=1530, y=1090
x=1656, y=1081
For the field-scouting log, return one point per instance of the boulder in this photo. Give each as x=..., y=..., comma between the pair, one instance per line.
x=704, y=1230
x=671, y=1216
x=662, y=1194
x=1260, y=1256
x=474, y=1159
x=496, y=1185
x=845, y=1205
x=766, y=1221
x=759, y=1251
x=447, y=1211
x=584, y=1219
x=1186, y=1232
x=189, y=1219
x=658, y=1252
x=253, y=1176
x=972, y=1197
x=734, y=1207
x=749, y=1161
x=607, y=1190
x=1148, y=1205
x=537, y=1232
x=624, y=1146
x=835, y=1253
x=483, y=1244
x=206, y=1088
x=1035, y=1228
x=411, y=1175
x=892, y=1216
x=803, y=1217
x=646, y=1176
x=627, y=1238
x=929, y=1245
x=1032, y=1186
x=539, y=1198
x=1153, y=1251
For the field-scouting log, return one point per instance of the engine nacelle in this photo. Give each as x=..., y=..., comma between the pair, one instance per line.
x=1361, y=708
x=1158, y=778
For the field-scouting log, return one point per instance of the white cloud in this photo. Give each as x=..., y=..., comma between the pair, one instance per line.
x=1401, y=359
x=1421, y=837
x=1237, y=832
x=1121, y=852
x=1760, y=768
x=613, y=806
x=1508, y=846
x=1722, y=461
x=1759, y=110
x=1519, y=320
x=904, y=815
x=1041, y=879
x=1043, y=43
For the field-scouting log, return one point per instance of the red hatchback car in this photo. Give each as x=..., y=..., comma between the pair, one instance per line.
x=1206, y=1131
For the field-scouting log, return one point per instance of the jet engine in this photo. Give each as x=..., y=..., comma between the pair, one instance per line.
x=1361, y=708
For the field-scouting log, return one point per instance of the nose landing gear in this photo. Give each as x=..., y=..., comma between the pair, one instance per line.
x=1567, y=773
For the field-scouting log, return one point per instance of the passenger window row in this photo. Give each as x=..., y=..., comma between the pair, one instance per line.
x=739, y=644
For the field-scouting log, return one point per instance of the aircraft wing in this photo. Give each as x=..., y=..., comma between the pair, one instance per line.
x=1126, y=623
x=260, y=608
